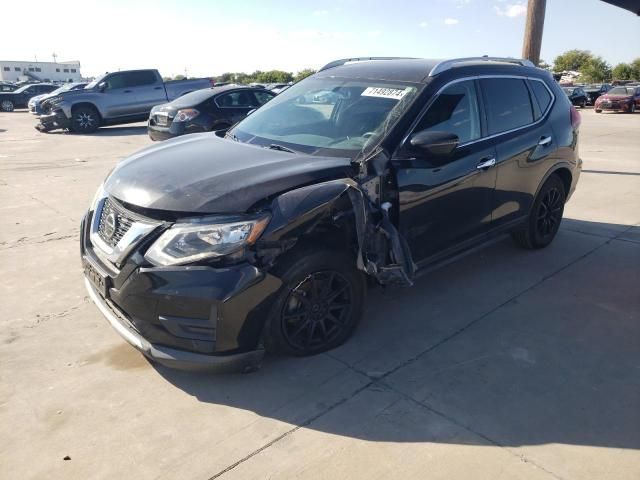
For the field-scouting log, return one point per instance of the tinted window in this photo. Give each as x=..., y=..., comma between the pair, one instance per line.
x=235, y=100
x=542, y=95
x=455, y=110
x=115, y=81
x=137, y=79
x=263, y=97
x=7, y=69
x=507, y=104
x=17, y=69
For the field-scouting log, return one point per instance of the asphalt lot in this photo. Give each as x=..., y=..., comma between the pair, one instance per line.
x=507, y=364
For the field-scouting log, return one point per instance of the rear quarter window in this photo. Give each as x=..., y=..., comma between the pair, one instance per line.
x=508, y=104
x=543, y=97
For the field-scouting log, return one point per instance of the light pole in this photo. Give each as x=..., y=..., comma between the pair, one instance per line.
x=533, y=30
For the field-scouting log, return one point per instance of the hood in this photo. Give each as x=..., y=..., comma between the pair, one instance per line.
x=202, y=173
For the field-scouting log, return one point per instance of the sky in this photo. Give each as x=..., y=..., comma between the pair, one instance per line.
x=207, y=38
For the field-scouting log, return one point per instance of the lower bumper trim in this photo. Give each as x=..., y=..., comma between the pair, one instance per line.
x=171, y=357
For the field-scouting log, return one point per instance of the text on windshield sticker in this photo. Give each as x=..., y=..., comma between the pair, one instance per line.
x=395, y=93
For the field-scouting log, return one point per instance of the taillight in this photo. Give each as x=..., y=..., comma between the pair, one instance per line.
x=576, y=119
x=186, y=114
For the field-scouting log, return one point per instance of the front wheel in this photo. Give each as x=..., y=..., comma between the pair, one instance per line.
x=319, y=304
x=85, y=120
x=633, y=108
x=583, y=104
x=545, y=216
x=7, y=106
x=598, y=111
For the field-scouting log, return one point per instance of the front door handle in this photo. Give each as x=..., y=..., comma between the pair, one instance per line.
x=486, y=163
x=544, y=141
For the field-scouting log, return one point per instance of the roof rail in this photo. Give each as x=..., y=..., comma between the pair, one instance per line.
x=448, y=64
x=343, y=61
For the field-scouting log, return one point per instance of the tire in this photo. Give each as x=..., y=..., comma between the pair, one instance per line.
x=85, y=120
x=545, y=216
x=7, y=106
x=583, y=104
x=598, y=111
x=319, y=304
x=633, y=108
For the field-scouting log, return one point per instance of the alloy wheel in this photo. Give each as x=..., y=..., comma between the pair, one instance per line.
x=549, y=212
x=85, y=120
x=317, y=311
x=7, y=106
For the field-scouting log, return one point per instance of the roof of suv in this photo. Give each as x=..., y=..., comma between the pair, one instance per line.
x=416, y=70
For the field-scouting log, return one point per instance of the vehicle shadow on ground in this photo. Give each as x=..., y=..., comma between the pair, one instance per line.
x=516, y=347
x=106, y=132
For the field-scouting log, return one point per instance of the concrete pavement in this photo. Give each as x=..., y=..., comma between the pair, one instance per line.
x=506, y=364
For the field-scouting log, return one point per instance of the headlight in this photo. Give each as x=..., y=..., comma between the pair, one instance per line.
x=189, y=242
x=186, y=114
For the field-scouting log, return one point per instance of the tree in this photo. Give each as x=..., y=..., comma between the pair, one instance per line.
x=274, y=76
x=636, y=68
x=572, y=60
x=596, y=70
x=304, y=73
x=544, y=65
x=179, y=77
x=623, y=71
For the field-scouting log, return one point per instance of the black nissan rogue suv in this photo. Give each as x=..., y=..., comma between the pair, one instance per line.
x=208, y=249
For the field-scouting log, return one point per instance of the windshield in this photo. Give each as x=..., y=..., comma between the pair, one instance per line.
x=329, y=116
x=621, y=91
x=568, y=91
x=22, y=88
x=95, y=82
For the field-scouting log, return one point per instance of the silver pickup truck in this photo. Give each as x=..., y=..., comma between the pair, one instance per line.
x=113, y=98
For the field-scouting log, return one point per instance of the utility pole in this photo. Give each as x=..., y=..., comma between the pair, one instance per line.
x=533, y=30
x=55, y=57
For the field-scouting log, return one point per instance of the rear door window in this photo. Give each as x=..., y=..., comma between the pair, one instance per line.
x=139, y=79
x=507, y=103
x=240, y=99
x=263, y=97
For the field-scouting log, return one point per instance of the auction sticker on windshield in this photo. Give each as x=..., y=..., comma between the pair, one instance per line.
x=382, y=92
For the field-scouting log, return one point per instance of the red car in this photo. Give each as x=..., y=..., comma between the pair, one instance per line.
x=619, y=99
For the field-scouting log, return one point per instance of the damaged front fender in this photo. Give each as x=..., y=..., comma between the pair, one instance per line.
x=339, y=206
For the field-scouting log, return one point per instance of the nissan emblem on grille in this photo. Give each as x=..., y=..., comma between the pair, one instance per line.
x=110, y=225
x=114, y=223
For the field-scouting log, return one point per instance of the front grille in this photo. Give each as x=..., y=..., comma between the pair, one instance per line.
x=109, y=233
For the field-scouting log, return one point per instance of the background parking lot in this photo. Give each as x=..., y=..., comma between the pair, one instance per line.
x=506, y=364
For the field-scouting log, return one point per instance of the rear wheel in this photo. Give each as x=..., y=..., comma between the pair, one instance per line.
x=319, y=304
x=85, y=120
x=545, y=217
x=7, y=106
x=598, y=111
x=633, y=108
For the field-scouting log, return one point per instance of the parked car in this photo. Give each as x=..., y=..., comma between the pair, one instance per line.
x=35, y=104
x=20, y=97
x=7, y=87
x=577, y=95
x=205, y=250
x=112, y=99
x=619, y=99
x=595, y=90
x=205, y=110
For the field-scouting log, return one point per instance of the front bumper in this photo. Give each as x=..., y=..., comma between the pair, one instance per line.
x=613, y=107
x=189, y=317
x=171, y=357
x=52, y=121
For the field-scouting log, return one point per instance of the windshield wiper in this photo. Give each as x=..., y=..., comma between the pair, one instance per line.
x=282, y=148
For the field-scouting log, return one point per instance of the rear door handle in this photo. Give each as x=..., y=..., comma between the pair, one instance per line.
x=544, y=141
x=486, y=163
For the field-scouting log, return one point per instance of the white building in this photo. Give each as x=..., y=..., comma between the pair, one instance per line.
x=11, y=71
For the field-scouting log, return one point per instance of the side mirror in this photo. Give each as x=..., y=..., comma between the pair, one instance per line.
x=102, y=86
x=436, y=143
